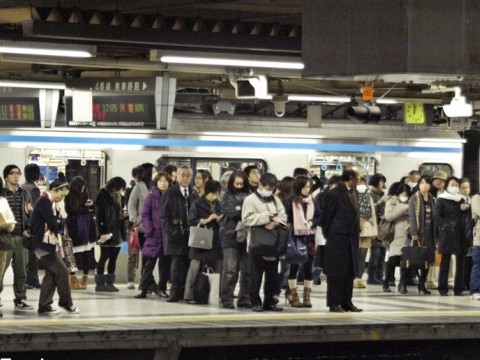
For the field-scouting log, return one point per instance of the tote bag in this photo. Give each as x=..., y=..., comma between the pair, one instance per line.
x=200, y=238
x=297, y=252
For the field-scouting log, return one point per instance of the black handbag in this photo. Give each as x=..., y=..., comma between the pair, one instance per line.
x=27, y=240
x=297, y=252
x=6, y=241
x=268, y=242
x=414, y=255
x=201, y=288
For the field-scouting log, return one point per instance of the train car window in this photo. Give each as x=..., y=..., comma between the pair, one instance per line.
x=430, y=168
x=89, y=164
x=215, y=166
x=327, y=165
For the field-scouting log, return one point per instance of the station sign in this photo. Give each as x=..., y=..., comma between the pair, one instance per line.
x=19, y=112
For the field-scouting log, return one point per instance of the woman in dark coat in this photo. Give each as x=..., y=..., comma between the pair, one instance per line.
x=77, y=207
x=206, y=211
x=153, y=248
x=235, y=257
x=112, y=230
x=449, y=214
x=422, y=228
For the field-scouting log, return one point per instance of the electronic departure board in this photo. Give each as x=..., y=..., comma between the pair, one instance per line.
x=123, y=110
x=15, y=111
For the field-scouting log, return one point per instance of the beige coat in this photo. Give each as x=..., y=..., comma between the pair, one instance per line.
x=397, y=212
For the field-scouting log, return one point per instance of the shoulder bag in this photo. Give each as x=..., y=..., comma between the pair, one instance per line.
x=386, y=231
x=27, y=240
x=6, y=241
x=200, y=237
x=297, y=252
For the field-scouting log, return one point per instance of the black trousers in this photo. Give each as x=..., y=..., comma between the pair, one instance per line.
x=258, y=266
x=178, y=276
x=458, y=285
x=339, y=290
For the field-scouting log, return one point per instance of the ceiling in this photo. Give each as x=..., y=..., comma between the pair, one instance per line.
x=129, y=35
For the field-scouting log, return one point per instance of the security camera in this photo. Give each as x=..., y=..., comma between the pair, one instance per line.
x=365, y=112
x=279, y=105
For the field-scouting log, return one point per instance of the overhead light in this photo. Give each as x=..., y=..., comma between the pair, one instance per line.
x=320, y=98
x=46, y=49
x=32, y=85
x=232, y=62
x=386, y=101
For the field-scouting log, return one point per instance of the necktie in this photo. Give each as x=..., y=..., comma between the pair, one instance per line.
x=185, y=193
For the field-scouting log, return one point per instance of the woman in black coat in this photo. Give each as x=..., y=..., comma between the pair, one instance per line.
x=235, y=257
x=205, y=211
x=112, y=230
x=449, y=214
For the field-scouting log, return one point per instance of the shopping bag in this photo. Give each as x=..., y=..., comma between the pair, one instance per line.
x=134, y=241
x=414, y=255
x=68, y=255
x=214, y=282
x=297, y=252
x=200, y=237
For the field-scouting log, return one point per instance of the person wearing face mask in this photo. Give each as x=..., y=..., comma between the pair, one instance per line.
x=368, y=229
x=304, y=216
x=207, y=211
x=396, y=211
x=262, y=208
x=235, y=258
x=449, y=212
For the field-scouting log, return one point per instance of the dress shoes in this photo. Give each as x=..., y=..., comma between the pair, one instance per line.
x=173, y=300
x=386, y=289
x=141, y=295
x=272, y=307
x=257, y=308
x=244, y=305
x=229, y=306
x=163, y=294
x=336, y=309
x=351, y=308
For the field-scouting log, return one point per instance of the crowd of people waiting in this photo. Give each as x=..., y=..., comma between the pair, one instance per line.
x=338, y=226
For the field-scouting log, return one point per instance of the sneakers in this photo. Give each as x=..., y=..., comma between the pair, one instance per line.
x=71, y=309
x=22, y=305
x=131, y=286
x=475, y=296
x=48, y=311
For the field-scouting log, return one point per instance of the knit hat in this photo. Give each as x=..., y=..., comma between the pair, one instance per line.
x=442, y=175
x=8, y=168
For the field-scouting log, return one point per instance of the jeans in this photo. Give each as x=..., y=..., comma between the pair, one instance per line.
x=18, y=258
x=235, y=261
x=376, y=263
x=56, y=277
x=475, y=275
x=192, y=273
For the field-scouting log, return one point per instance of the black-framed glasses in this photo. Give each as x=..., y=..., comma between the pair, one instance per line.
x=19, y=173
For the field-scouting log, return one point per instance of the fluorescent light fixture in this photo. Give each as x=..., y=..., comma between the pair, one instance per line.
x=32, y=85
x=232, y=62
x=386, y=101
x=320, y=98
x=46, y=49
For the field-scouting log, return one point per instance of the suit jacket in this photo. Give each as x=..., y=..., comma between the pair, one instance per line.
x=340, y=223
x=174, y=217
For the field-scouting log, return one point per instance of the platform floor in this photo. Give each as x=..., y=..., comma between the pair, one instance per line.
x=117, y=321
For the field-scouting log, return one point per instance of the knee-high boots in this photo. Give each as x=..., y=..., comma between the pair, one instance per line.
x=292, y=297
x=307, y=290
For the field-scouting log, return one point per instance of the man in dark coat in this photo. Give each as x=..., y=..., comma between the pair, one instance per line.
x=341, y=227
x=176, y=202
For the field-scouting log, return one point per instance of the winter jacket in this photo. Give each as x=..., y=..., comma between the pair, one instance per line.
x=231, y=217
x=152, y=207
x=397, y=212
x=43, y=215
x=109, y=220
x=135, y=204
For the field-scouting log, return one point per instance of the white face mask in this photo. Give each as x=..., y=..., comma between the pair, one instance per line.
x=265, y=193
x=453, y=190
x=412, y=184
x=403, y=198
x=361, y=188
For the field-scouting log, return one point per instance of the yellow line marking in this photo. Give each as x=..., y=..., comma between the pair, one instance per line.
x=385, y=316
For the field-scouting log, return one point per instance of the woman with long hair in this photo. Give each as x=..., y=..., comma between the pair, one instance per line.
x=235, y=258
x=154, y=248
x=201, y=177
x=304, y=217
x=112, y=230
x=78, y=206
x=421, y=224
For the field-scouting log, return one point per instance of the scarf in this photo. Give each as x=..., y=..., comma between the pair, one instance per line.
x=446, y=195
x=300, y=219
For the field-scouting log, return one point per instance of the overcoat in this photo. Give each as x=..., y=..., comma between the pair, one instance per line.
x=449, y=219
x=152, y=226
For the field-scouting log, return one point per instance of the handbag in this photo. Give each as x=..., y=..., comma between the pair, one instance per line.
x=200, y=237
x=134, y=242
x=297, y=252
x=27, y=240
x=268, y=242
x=241, y=232
x=6, y=241
x=386, y=231
x=414, y=256
x=68, y=255
x=201, y=288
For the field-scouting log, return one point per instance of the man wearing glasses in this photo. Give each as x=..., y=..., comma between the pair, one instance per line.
x=21, y=204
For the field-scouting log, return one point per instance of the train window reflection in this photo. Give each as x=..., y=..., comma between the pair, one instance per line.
x=430, y=168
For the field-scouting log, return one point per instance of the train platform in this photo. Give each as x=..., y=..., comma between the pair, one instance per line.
x=117, y=326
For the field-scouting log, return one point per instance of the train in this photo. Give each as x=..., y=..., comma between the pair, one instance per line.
x=222, y=144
